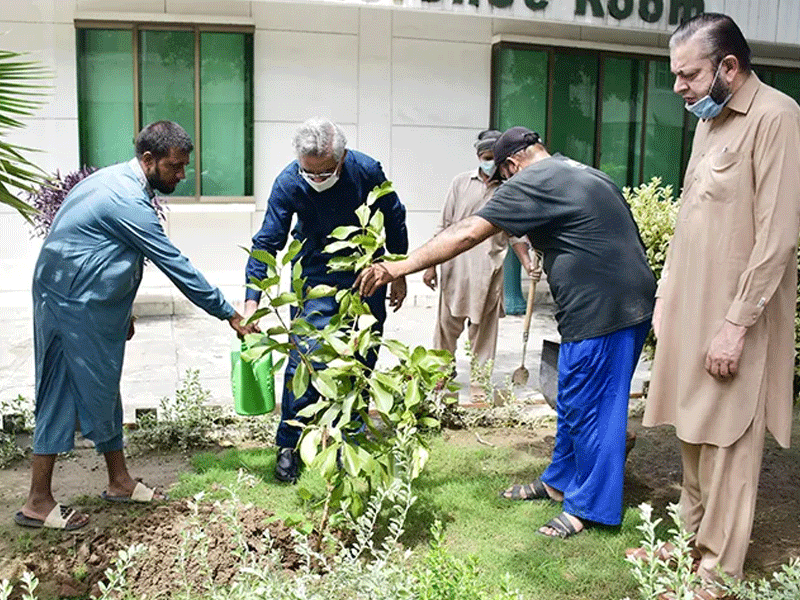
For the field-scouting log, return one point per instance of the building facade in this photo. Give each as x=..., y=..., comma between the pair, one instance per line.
x=411, y=82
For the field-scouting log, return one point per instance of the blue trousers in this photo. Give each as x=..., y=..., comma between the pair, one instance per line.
x=594, y=381
x=318, y=313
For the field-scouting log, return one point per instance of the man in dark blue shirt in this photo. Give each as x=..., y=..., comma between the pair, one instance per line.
x=322, y=188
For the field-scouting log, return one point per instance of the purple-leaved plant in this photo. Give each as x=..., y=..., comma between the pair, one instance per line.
x=47, y=199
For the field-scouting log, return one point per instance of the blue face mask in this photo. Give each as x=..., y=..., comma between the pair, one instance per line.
x=487, y=166
x=706, y=107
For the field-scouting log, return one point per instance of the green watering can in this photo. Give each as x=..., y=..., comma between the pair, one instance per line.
x=252, y=383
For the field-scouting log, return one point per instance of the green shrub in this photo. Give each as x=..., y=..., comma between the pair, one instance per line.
x=654, y=209
x=184, y=421
x=674, y=579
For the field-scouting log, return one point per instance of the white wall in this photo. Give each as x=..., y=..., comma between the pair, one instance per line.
x=409, y=87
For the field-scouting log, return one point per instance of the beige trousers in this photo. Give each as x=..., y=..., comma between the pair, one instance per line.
x=482, y=336
x=718, y=499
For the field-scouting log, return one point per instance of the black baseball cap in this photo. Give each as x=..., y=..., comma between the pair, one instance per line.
x=512, y=141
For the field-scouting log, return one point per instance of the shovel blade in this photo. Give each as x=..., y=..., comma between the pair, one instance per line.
x=520, y=376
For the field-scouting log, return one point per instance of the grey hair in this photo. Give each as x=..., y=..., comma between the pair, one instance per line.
x=319, y=137
x=160, y=137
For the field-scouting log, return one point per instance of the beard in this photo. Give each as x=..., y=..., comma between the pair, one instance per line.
x=719, y=92
x=159, y=184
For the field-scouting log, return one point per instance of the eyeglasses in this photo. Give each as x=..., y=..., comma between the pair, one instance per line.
x=316, y=176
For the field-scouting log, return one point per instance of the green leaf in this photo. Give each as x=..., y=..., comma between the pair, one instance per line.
x=335, y=247
x=362, y=212
x=429, y=422
x=413, y=396
x=343, y=232
x=309, y=444
x=420, y=459
x=364, y=241
x=350, y=460
x=277, y=366
x=297, y=271
x=341, y=263
x=417, y=356
x=277, y=330
x=366, y=321
x=301, y=327
x=311, y=410
x=320, y=291
x=325, y=384
x=382, y=397
x=283, y=299
x=365, y=341
x=339, y=346
x=263, y=256
x=300, y=380
x=398, y=348
x=376, y=222
x=261, y=312
x=391, y=383
x=328, y=463
x=271, y=281
x=347, y=406
x=379, y=191
x=291, y=252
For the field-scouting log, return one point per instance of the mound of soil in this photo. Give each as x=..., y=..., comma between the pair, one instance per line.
x=186, y=547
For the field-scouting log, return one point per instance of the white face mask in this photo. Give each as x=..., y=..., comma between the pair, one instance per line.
x=487, y=166
x=321, y=186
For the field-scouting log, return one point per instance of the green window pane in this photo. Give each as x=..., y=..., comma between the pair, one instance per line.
x=620, y=141
x=664, y=135
x=785, y=80
x=789, y=83
x=574, y=106
x=105, y=96
x=166, y=86
x=765, y=74
x=226, y=114
x=520, y=89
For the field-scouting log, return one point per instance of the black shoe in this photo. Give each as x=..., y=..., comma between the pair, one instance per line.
x=287, y=465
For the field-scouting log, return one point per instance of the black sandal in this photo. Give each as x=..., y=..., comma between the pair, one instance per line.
x=527, y=491
x=562, y=526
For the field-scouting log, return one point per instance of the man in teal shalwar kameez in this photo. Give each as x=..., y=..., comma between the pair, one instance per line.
x=84, y=284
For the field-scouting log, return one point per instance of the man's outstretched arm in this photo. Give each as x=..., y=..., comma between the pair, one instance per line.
x=454, y=240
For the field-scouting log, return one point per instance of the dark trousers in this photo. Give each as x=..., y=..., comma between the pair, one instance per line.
x=317, y=312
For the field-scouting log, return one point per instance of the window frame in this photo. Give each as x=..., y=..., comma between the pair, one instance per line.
x=197, y=135
x=607, y=51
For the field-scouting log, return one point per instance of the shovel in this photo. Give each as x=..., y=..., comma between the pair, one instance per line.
x=520, y=376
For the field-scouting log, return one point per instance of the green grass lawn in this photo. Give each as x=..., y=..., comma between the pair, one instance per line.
x=460, y=487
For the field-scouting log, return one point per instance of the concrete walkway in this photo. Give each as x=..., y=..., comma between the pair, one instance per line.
x=165, y=347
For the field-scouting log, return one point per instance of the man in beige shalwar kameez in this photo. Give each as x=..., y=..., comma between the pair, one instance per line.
x=471, y=284
x=724, y=313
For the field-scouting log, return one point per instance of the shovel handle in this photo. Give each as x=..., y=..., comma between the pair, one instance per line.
x=529, y=309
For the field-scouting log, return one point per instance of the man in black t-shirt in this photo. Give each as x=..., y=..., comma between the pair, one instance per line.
x=604, y=292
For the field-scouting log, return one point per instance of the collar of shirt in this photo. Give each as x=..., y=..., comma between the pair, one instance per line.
x=490, y=183
x=743, y=97
x=137, y=170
